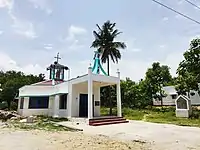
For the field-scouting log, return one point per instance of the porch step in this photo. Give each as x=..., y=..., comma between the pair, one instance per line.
x=107, y=121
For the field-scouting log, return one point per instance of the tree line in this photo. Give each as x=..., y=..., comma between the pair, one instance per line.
x=10, y=82
x=134, y=94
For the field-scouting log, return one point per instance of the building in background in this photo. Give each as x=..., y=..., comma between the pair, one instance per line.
x=171, y=96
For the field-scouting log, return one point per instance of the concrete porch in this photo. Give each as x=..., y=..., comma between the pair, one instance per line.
x=85, y=95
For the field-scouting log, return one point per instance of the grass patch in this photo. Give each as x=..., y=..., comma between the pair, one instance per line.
x=40, y=123
x=158, y=115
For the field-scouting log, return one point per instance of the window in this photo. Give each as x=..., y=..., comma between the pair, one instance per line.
x=38, y=102
x=21, y=103
x=63, y=101
x=181, y=103
x=174, y=96
x=97, y=103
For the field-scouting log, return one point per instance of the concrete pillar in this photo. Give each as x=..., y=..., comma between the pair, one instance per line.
x=69, y=101
x=90, y=92
x=69, y=97
x=119, y=104
x=56, y=106
x=53, y=81
x=19, y=102
x=26, y=103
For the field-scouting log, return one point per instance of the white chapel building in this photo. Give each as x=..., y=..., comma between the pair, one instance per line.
x=75, y=97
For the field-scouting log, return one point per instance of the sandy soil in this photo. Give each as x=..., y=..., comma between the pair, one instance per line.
x=42, y=140
x=157, y=136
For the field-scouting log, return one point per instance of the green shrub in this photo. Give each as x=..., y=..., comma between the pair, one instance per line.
x=195, y=115
x=3, y=105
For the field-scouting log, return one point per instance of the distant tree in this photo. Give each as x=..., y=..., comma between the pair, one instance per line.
x=191, y=62
x=158, y=76
x=11, y=81
x=128, y=92
x=186, y=83
x=109, y=48
x=189, y=70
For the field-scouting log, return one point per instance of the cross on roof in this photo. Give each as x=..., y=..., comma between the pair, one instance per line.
x=57, y=57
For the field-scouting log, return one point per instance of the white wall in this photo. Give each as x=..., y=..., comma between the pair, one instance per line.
x=96, y=91
x=195, y=100
x=37, y=90
x=78, y=89
x=166, y=101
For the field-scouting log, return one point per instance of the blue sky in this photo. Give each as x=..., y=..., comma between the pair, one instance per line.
x=33, y=31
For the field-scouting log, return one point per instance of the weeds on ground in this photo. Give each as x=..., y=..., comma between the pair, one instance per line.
x=158, y=115
x=40, y=123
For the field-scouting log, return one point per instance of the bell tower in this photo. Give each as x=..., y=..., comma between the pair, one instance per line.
x=57, y=71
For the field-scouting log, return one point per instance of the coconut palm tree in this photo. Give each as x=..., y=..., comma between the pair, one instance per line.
x=106, y=44
x=109, y=48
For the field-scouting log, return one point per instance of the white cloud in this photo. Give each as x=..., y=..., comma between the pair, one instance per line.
x=165, y=19
x=162, y=46
x=75, y=39
x=22, y=27
x=179, y=16
x=7, y=63
x=130, y=43
x=76, y=46
x=180, y=2
x=74, y=31
x=48, y=46
x=6, y=4
x=173, y=60
x=193, y=37
x=135, y=50
x=43, y=5
x=136, y=69
x=1, y=32
x=25, y=29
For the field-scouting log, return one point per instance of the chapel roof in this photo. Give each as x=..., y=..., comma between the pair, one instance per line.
x=48, y=83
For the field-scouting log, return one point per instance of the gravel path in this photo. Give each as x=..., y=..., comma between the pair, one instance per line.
x=41, y=140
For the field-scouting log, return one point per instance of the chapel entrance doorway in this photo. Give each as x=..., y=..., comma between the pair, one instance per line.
x=83, y=105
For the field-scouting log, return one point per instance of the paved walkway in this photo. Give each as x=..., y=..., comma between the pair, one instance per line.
x=160, y=136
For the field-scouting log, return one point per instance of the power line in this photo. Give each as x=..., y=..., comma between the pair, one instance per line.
x=176, y=11
x=192, y=4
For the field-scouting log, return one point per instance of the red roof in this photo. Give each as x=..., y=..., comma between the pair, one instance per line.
x=48, y=82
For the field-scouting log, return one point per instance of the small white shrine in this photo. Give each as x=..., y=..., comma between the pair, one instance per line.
x=183, y=107
x=76, y=97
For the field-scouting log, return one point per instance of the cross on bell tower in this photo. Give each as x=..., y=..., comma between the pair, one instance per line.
x=57, y=57
x=57, y=70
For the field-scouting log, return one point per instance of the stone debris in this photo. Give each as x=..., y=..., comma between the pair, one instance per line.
x=29, y=119
x=5, y=115
x=23, y=120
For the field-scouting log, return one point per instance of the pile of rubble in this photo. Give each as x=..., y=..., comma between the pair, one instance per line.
x=6, y=115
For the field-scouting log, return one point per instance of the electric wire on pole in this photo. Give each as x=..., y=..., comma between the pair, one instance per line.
x=185, y=16
x=193, y=4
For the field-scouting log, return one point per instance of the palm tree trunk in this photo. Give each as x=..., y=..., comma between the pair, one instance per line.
x=109, y=90
x=108, y=66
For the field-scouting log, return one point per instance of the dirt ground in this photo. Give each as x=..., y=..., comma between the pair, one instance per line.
x=43, y=140
x=157, y=136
